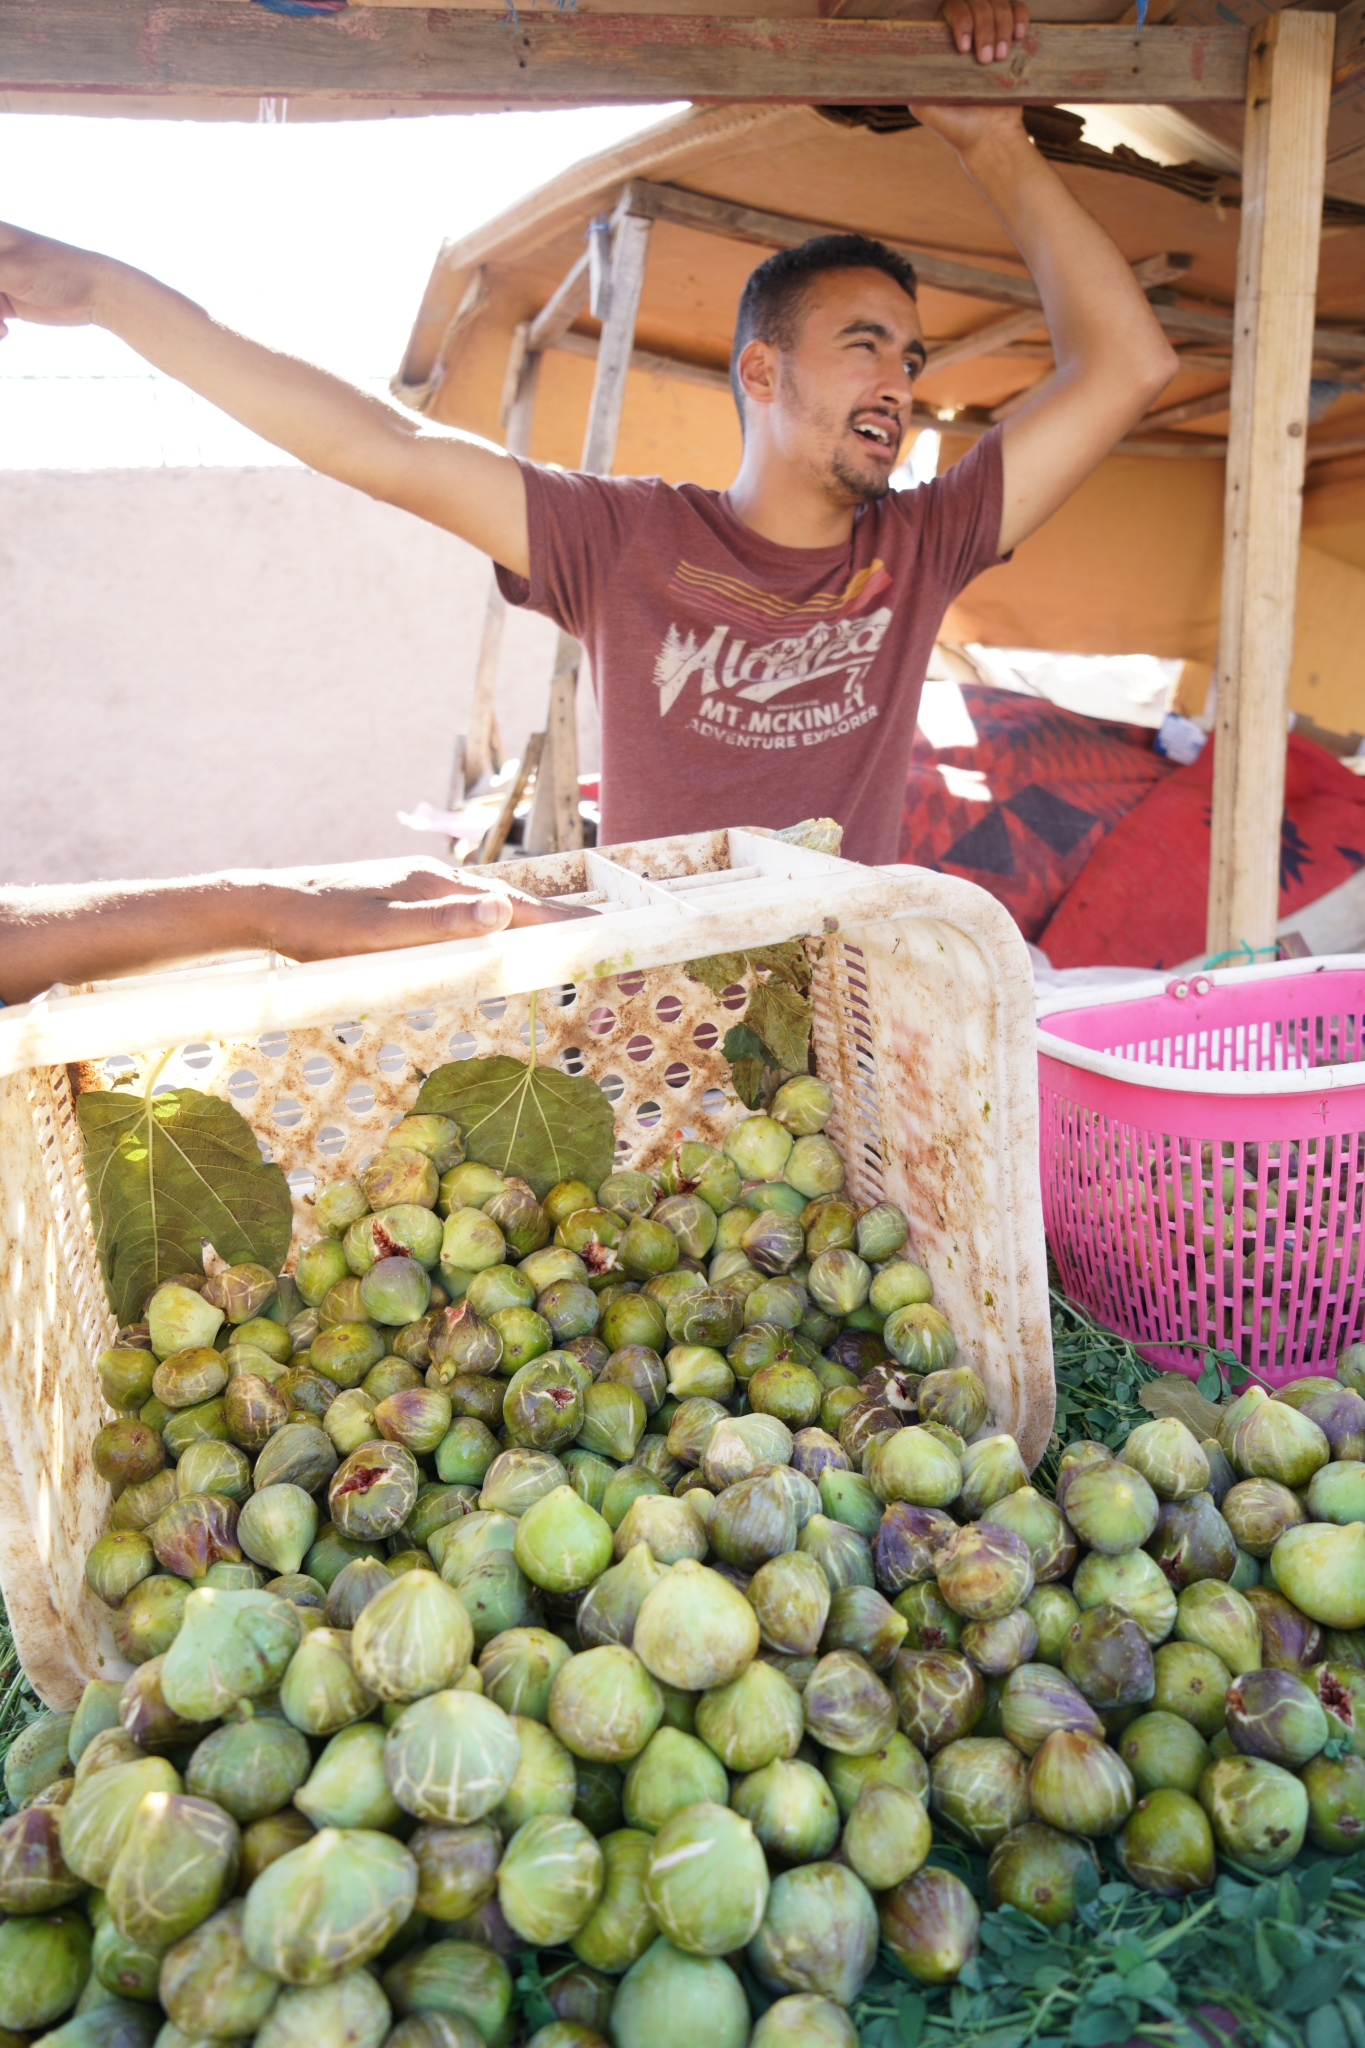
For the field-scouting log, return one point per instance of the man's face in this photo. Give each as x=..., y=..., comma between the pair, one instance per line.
x=841, y=394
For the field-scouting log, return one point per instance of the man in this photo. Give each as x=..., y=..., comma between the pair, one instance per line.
x=758, y=653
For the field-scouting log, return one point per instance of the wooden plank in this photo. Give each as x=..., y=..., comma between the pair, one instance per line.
x=521, y=411
x=630, y=250
x=478, y=757
x=1207, y=407
x=950, y=274
x=543, y=824
x=561, y=740
x=562, y=308
x=1332, y=451
x=674, y=203
x=446, y=57
x=1184, y=447
x=990, y=340
x=559, y=816
x=986, y=341
x=1285, y=157
x=651, y=365
x=479, y=749
x=496, y=836
x=519, y=399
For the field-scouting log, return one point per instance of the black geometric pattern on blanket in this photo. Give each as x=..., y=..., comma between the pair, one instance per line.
x=1052, y=785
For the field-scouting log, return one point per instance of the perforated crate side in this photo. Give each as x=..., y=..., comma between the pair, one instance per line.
x=53, y=1321
x=940, y=1110
x=322, y=1099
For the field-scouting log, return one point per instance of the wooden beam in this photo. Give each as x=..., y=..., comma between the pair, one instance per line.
x=630, y=250
x=949, y=274
x=1181, y=446
x=1207, y=407
x=649, y=364
x=445, y=57
x=674, y=203
x=1333, y=451
x=496, y=836
x=990, y=340
x=519, y=402
x=1285, y=159
x=556, y=823
x=561, y=309
x=478, y=744
x=985, y=341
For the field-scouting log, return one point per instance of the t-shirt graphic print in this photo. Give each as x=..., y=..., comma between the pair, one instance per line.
x=824, y=649
x=744, y=683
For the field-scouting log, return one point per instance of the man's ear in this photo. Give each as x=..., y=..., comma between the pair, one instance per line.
x=757, y=371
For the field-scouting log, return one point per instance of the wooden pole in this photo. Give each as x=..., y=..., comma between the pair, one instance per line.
x=555, y=824
x=1284, y=162
x=480, y=745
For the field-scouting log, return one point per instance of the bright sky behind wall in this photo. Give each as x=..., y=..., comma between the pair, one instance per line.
x=317, y=238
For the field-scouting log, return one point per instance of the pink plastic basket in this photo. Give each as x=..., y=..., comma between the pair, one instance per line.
x=1203, y=1162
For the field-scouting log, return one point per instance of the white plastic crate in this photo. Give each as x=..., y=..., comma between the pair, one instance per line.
x=923, y=1028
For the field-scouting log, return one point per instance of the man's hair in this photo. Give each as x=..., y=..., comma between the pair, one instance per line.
x=770, y=304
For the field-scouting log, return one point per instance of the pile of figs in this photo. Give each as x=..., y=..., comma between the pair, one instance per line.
x=631, y=1573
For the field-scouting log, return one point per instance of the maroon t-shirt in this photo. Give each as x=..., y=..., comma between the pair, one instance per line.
x=743, y=683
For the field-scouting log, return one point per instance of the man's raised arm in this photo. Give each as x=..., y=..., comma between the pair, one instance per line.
x=473, y=491
x=1112, y=359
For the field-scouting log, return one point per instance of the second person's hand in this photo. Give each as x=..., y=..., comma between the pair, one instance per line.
x=989, y=26
x=326, y=912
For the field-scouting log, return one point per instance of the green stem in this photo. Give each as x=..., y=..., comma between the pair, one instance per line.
x=157, y=1071
x=1181, y=1928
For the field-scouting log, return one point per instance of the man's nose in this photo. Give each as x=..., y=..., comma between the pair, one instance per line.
x=898, y=386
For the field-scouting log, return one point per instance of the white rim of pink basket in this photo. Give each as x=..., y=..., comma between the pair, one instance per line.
x=1198, y=1080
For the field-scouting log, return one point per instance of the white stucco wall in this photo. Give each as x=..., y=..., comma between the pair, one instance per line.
x=207, y=668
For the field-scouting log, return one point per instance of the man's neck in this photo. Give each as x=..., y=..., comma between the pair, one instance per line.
x=792, y=511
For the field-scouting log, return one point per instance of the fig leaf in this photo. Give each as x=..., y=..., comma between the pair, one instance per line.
x=533, y=1122
x=168, y=1173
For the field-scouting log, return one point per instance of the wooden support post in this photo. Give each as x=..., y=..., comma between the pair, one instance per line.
x=480, y=744
x=630, y=248
x=478, y=758
x=555, y=824
x=496, y=836
x=1288, y=93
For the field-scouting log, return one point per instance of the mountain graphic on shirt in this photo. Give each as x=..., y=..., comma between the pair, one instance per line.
x=750, y=606
x=830, y=639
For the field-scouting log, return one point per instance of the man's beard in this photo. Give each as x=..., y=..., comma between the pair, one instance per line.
x=852, y=483
x=864, y=489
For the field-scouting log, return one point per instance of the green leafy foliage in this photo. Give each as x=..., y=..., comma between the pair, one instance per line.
x=531, y=1121
x=782, y=1019
x=169, y=1173
x=1278, y=1963
x=719, y=971
x=773, y=1039
x=750, y=1061
x=1099, y=1377
x=1259, y=1963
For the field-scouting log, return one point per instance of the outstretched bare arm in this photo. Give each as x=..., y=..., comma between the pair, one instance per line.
x=92, y=931
x=1112, y=359
x=471, y=490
